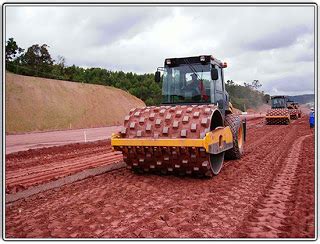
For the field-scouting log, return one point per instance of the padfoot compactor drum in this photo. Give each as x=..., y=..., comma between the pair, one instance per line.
x=278, y=116
x=192, y=131
x=279, y=113
x=294, y=112
x=297, y=106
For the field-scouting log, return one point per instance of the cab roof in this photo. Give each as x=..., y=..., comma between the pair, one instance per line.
x=202, y=59
x=279, y=96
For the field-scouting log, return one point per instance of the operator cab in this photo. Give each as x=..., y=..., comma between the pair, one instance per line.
x=296, y=105
x=193, y=80
x=279, y=101
x=290, y=104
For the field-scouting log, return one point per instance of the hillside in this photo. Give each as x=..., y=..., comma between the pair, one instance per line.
x=40, y=104
x=303, y=99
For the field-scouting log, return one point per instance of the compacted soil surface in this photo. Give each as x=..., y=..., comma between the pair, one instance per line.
x=268, y=193
x=37, y=166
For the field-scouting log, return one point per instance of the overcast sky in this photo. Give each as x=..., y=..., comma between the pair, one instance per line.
x=272, y=44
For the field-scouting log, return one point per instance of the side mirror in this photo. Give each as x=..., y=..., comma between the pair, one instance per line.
x=214, y=74
x=157, y=76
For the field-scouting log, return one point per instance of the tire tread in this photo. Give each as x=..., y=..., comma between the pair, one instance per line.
x=234, y=122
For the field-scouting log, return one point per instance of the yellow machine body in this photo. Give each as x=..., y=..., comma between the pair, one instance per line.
x=214, y=142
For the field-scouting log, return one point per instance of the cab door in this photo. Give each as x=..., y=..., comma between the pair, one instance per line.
x=219, y=91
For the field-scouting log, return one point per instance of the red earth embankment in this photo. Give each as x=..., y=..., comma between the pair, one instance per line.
x=39, y=104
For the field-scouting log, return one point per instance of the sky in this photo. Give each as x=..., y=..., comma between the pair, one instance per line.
x=274, y=45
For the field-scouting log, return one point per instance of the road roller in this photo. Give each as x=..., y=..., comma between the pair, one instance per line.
x=297, y=106
x=293, y=111
x=279, y=112
x=192, y=131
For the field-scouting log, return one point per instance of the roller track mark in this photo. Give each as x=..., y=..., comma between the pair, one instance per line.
x=261, y=136
x=31, y=158
x=55, y=173
x=15, y=163
x=242, y=192
x=271, y=212
x=301, y=207
x=11, y=176
x=43, y=168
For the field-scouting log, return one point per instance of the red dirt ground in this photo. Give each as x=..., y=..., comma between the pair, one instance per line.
x=37, y=166
x=269, y=193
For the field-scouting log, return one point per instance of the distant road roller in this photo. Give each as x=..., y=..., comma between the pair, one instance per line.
x=279, y=113
x=293, y=111
x=193, y=130
x=297, y=106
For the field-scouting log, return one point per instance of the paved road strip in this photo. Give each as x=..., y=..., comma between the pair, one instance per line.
x=23, y=142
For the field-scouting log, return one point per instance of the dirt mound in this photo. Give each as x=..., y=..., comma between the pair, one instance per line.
x=39, y=104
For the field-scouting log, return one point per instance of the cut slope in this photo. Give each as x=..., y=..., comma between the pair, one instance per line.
x=39, y=104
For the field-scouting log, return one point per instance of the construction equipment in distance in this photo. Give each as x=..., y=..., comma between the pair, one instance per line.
x=297, y=106
x=192, y=131
x=293, y=111
x=279, y=112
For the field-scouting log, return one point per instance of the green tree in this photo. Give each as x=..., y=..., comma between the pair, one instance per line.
x=12, y=50
x=246, y=96
x=38, y=59
x=256, y=84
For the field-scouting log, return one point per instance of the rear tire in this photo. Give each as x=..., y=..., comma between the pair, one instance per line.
x=236, y=126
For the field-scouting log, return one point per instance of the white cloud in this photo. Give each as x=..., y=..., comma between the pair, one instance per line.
x=271, y=44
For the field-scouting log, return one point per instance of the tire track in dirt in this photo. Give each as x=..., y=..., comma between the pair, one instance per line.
x=300, y=222
x=64, y=170
x=63, y=181
x=54, y=163
x=43, y=156
x=261, y=135
x=271, y=211
x=12, y=176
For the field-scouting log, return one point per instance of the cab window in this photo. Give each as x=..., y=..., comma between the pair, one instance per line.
x=219, y=86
